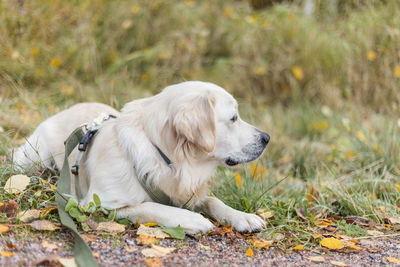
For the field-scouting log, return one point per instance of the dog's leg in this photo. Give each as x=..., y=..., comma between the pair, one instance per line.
x=241, y=221
x=167, y=216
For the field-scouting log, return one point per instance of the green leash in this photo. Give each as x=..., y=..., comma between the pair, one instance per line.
x=83, y=254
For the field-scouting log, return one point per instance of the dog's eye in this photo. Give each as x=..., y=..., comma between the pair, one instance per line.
x=234, y=118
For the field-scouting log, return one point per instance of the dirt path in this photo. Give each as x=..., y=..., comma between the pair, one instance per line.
x=213, y=250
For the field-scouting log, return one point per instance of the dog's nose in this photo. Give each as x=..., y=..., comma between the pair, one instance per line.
x=264, y=138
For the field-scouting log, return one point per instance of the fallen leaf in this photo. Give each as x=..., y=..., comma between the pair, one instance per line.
x=298, y=247
x=68, y=262
x=300, y=213
x=88, y=238
x=262, y=244
x=44, y=225
x=374, y=232
x=150, y=224
x=393, y=260
x=317, y=235
x=204, y=247
x=312, y=195
x=316, y=259
x=17, y=183
x=29, y=215
x=92, y=224
x=332, y=243
x=11, y=245
x=157, y=251
x=174, y=232
x=249, y=252
x=154, y=262
x=339, y=263
x=111, y=227
x=265, y=213
x=151, y=231
x=393, y=220
x=147, y=240
x=7, y=254
x=48, y=245
x=353, y=247
x=130, y=249
x=4, y=228
x=323, y=223
x=9, y=208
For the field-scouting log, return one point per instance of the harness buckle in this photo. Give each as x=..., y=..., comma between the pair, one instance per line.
x=75, y=169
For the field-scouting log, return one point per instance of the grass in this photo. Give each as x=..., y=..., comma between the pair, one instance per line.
x=325, y=87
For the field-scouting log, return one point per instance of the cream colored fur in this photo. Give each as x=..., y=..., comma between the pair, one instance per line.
x=193, y=123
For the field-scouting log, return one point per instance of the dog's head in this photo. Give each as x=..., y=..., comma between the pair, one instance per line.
x=204, y=120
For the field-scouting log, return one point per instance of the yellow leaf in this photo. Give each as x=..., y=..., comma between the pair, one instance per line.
x=323, y=223
x=298, y=73
x=157, y=251
x=353, y=246
x=371, y=55
x=147, y=240
x=238, y=179
x=397, y=71
x=257, y=171
x=249, y=252
x=7, y=254
x=53, y=187
x=29, y=215
x=262, y=244
x=154, y=262
x=55, y=62
x=298, y=247
x=150, y=224
x=332, y=243
x=312, y=195
x=265, y=213
x=393, y=260
x=4, y=228
x=398, y=187
x=316, y=235
x=228, y=228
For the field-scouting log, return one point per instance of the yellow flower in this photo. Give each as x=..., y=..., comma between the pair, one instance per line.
x=397, y=71
x=298, y=73
x=238, y=179
x=55, y=62
x=260, y=70
x=67, y=90
x=189, y=3
x=371, y=55
x=257, y=171
x=320, y=126
x=34, y=51
x=135, y=9
x=228, y=12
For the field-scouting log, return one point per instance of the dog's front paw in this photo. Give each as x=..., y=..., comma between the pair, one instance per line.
x=246, y=222
x=197, y=223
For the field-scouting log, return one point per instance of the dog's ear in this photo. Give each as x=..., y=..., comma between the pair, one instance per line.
x=194, y=120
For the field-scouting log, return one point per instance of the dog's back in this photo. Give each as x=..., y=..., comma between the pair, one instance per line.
x=45, y=147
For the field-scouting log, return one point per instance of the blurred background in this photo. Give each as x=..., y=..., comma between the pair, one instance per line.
x=321, y=77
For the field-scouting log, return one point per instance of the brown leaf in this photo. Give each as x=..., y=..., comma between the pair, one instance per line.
x=262, y=244
x=151, y=231
x=11, y=246
x=88, y=238
x=392, y=220
x=300, y=213
x=9, y=208
x=44, y=225
x=265, y=213
x=111, y=227
x=374, y=232
x=316, y=259
x=16, y=183
x=339, y=263
x=48, y=245
x=323, y=223
x=147, y=240
x=157, y=251
x=4, y=228
x=28, y=215
x=92, y=224
x=154, y=262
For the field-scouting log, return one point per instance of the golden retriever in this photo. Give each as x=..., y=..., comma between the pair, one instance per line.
x=196, y=125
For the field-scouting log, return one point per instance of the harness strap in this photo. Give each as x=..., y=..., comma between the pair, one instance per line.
x=83, y=255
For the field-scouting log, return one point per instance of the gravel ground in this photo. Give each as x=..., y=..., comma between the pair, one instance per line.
x=212, y=250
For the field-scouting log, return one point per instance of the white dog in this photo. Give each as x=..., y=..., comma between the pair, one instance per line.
x=175, y=139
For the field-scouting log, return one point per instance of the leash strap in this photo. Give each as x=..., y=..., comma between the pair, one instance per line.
x=83, y=254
